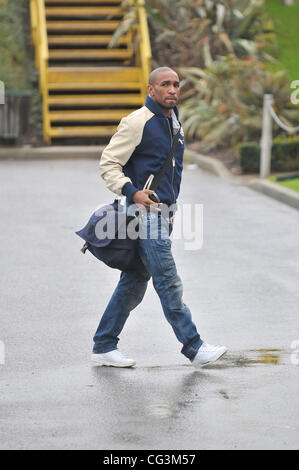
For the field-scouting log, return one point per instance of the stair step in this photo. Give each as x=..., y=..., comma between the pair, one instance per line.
x=95, y=86
x=95, y=100
x=71, y=11
x=81, y=131
x=84, y=40
x=93, y=74
x=82, y=25
x=95, y=97
x=90, y=115
x=90, y=54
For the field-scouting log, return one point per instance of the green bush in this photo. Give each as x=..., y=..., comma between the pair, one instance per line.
x=284, y=157
x=249, y=155
x=13, y=55
x=285, y=154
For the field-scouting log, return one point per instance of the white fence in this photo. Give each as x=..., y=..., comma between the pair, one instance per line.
x=266, y=140
x=2, y=93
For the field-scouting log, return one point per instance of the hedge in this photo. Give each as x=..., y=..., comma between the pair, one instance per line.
x=284, y=155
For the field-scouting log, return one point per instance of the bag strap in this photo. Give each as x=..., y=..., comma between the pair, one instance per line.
x=156, y=179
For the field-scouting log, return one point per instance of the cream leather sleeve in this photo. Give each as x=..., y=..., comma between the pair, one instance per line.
x=120, y=148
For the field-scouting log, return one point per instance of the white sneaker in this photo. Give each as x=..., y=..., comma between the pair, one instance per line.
x=208, y=353
x=112, y=358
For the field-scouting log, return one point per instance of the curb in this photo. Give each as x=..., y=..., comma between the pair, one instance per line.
x=285, y=195
x=50, y=153
x=280, y=193
x=212, y=165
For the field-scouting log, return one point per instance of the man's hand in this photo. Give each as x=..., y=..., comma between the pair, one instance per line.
x=142, y=197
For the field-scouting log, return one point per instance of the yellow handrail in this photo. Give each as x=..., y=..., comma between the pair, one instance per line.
x=144, y=45
x=40, y=40
x=34, y=22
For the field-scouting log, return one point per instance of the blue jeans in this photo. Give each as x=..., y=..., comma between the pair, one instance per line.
x=157, y=258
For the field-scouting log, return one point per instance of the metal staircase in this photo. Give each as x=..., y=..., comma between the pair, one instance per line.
x=86, y=86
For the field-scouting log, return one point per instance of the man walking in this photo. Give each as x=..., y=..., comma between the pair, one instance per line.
x=137, y=150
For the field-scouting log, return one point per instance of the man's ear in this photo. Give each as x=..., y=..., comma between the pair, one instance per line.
x=150, y=89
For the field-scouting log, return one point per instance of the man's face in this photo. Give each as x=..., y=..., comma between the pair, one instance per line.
x=165, y=90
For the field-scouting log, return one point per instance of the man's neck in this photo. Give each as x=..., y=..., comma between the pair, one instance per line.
x=167, y=112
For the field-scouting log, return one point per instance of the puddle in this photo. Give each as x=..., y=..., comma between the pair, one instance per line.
x=166, y=410
x=248, y=358
x=268, y=356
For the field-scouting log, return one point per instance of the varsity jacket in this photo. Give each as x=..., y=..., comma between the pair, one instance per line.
x=139, y=148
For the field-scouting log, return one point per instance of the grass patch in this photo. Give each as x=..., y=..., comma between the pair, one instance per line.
x=291, y=184
x=287, y=32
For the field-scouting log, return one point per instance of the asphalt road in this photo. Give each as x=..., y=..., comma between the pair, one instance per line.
x=241, y=286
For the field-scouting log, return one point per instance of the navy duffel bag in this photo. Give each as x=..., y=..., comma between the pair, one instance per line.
x=107, y=244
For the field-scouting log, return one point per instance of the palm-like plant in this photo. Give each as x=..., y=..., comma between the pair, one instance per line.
x=129, y=8
x=223, y=106
x=198, y=32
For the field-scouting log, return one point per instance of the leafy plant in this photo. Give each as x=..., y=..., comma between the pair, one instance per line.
x=195, y=33
x=199, y=32
x=13, y=57
x=129, y=20
x=222, y=104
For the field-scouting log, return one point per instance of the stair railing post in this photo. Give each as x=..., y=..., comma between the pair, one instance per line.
x=144, y=46
x=43, y=65
x=266, y=139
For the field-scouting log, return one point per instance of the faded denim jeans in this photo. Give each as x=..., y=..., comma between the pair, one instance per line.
x=155, y=252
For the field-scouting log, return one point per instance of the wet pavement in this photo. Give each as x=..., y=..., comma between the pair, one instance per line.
x=241, y=286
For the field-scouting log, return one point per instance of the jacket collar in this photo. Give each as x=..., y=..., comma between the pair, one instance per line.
x=156, y=109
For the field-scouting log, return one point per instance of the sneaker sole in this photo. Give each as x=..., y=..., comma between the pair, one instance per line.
x=111, y=364
x=214, y=358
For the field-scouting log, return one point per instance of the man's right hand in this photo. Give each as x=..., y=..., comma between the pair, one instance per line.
x=142, y=197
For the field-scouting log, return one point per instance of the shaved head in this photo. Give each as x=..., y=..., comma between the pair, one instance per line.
x=164, y=88
x=155, y=73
